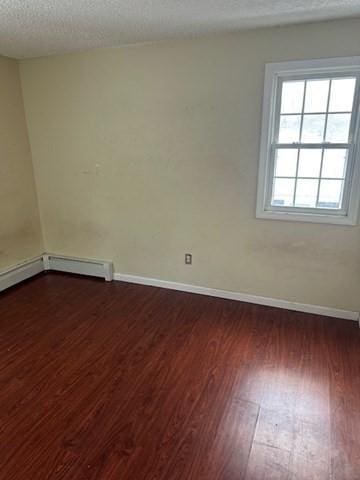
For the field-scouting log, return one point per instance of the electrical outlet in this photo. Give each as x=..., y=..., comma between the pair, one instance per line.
x=188, y=259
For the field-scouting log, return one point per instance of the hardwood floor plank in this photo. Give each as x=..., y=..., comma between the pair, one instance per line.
x=268, y=463
x=276, y=429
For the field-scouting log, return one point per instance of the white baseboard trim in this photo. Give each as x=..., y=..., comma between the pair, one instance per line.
x=242, y=297
x=81, y=266
x=21, y=271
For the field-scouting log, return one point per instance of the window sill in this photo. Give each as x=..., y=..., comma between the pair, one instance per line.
x=306, y=217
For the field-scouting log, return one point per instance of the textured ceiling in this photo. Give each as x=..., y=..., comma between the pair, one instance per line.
x=31, y=28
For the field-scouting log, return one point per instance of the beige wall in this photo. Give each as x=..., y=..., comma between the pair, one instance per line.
x=144, y=153
x=20, y=234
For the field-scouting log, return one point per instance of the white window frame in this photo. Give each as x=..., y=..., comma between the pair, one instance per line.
x=274, y=74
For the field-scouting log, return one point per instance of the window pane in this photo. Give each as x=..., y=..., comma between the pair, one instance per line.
x=283, y=192
x=338, y=127
x=292, y=97
x=285, y=164
x=342, y=95
x=309, y=162
x=316, y=96
x=330, y=193
x=334, y=163
x=289, y=129
x=306, y=193
x=313, y=128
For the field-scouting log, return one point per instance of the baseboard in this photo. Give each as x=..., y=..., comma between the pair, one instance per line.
x=21, y=271
x=81, y=266
x=242, y=297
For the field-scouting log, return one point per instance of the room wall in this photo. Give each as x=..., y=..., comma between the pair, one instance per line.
x=20, y=233
x=146, y=152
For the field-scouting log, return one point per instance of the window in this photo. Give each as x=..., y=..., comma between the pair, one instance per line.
x=309, y=158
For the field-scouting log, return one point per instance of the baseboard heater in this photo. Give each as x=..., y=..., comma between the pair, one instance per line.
x=20, y=272
x=81, y=266
x=46, y=262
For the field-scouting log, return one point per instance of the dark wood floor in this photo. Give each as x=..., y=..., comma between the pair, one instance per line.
x=118, y=381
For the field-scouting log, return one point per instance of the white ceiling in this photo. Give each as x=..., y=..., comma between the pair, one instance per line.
x=31, y=28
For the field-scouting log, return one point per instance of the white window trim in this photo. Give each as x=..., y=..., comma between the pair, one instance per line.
x=343, y=65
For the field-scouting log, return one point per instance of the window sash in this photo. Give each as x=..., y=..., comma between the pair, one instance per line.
x=280, y=79
x=319, y=210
